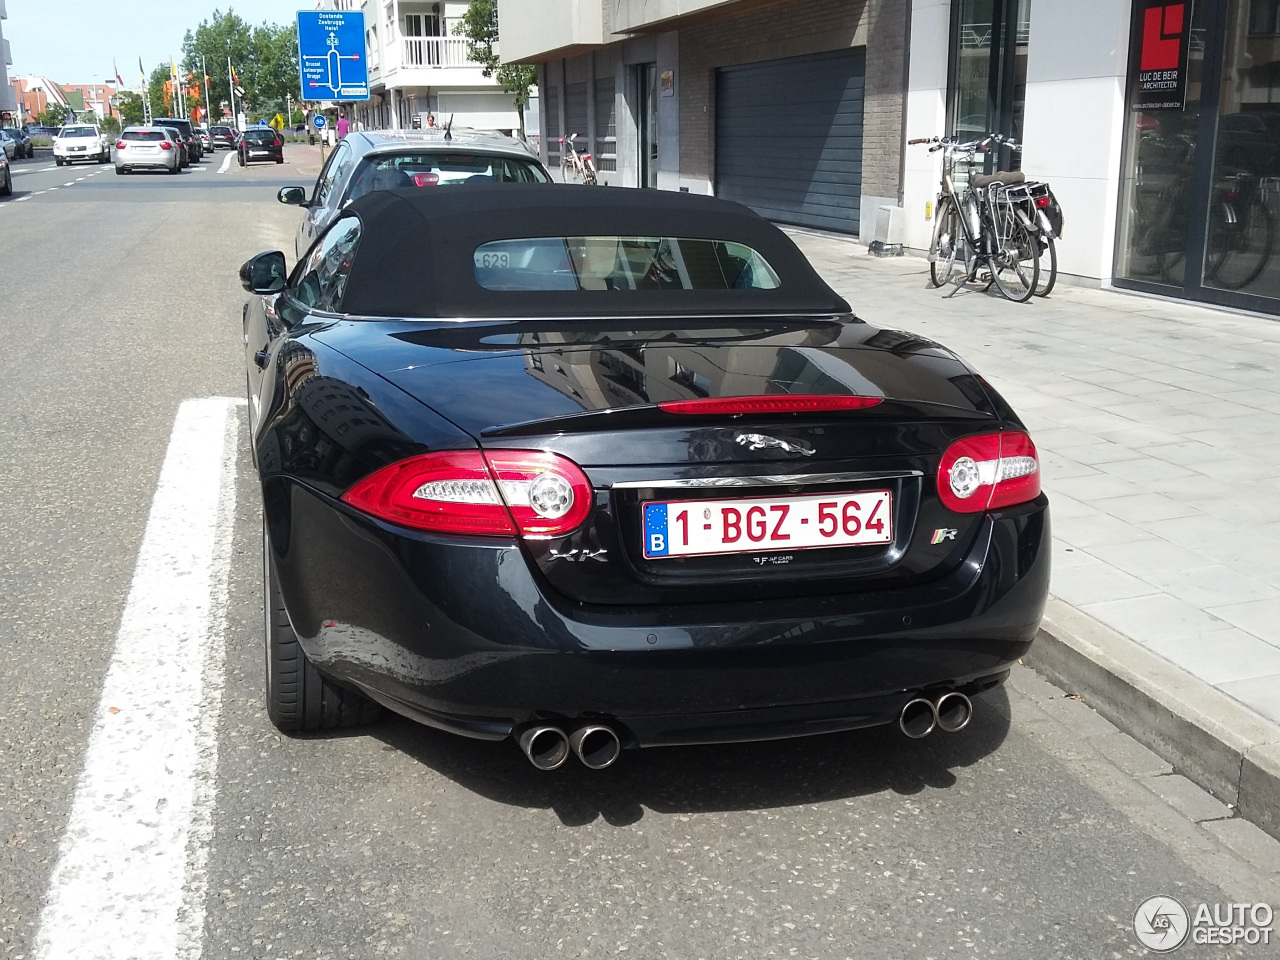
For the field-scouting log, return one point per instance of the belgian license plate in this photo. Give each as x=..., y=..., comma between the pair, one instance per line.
x=685, y=528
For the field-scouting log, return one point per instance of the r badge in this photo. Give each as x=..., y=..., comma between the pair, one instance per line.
x=943, y=533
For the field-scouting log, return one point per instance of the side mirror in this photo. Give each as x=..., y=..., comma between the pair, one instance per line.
x=264, y=273
x=292, y=195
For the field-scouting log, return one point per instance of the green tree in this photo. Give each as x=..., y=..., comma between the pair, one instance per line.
x=130, y=107
x=54, y=115
x=109, y=125
x=265, y=60
x=160, y=92
x=480, y=26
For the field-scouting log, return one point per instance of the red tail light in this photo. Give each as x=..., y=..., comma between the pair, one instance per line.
x=990, y=471
x=1042, y=202
x=275, y=143
x=426, y=179
x=542, y=494
x=166, y=145
x=120, y=144
x=586, y=156
x=785, y=403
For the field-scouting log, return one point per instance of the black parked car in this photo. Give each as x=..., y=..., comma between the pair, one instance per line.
x=605, y=469
x=260, y=143
x=190, y=138
x=222, y=136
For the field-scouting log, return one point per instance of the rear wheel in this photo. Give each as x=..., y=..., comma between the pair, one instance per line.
x=298, y=697
x=1015, y=266
x=7, y=189
x=1048, y=264
x=948, y=250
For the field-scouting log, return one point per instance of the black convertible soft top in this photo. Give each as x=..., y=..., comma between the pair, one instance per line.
x=415, y=256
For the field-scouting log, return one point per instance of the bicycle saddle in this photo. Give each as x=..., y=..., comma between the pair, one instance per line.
x=1008, y=177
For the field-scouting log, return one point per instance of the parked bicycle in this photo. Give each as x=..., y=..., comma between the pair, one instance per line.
x=1043, y=213
x=984, y=233
x=579, y=166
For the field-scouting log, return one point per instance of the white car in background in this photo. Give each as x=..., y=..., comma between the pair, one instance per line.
x=81, y=141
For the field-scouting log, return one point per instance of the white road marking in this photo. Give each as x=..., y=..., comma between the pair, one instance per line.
x=72, y=183
x=46, y=169
x=20, y=199
x=78, y=179
x=226, y=162
x=131, y=866
x=50, y=190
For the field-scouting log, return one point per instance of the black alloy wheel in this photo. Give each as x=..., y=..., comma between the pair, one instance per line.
x=299, y=698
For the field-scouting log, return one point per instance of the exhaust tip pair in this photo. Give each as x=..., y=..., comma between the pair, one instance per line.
x=547, y=747
x=951, y=712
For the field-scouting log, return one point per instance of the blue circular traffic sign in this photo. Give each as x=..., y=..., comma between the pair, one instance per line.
x=319, y=121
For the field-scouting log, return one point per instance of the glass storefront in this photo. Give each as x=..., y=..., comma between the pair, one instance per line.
x=1200, y=182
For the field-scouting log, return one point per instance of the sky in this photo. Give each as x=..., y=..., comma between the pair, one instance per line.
x=74, y=41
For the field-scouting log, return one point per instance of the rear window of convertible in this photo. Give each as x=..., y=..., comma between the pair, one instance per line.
x=621, y=263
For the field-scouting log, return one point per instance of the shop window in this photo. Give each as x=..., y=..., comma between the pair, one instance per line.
x=1264, y=17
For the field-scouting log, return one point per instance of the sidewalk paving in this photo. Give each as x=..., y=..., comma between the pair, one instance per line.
x=1158, y=425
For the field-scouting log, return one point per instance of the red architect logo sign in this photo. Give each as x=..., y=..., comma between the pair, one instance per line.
x=1162, y=33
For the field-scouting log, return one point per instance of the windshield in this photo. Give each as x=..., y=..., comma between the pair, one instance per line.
x=419, y=169
x=621, y=263
x=79, y=132
x=259, y=135
x=220, y=131
x=143, y=135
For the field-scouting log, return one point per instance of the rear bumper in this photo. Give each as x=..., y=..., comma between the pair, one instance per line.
x=466, y=637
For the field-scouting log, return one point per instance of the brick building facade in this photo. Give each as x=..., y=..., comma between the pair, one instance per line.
x=642, y=84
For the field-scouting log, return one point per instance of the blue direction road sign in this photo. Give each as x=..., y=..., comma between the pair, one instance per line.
x=262, y=122
x=319, y=121
x=331, y=55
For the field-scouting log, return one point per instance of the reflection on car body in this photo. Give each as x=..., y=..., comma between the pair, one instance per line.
x=696, y=505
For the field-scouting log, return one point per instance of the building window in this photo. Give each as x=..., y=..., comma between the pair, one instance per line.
x=606, y=134
x=988, y=75
x=1264, y=17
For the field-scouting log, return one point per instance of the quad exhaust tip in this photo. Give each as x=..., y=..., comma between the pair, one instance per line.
x=547, y=747
x=918, y=718
x=596, y=745
x=954, y=711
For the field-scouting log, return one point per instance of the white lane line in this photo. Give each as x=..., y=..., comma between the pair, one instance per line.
x=72, y=183
x=226, y=162
x=78, y=179
x=20, y=199
x=50, y=190
x=47, y=169
x=131, y=870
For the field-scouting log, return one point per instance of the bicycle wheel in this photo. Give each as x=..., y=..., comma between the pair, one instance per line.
x=567, y=169
x=1015, y=265
x=589, y=174
x=948, y=248
x=1239, y=248
x=1048, y=264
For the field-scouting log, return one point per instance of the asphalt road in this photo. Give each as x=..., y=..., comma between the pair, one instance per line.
x=1037, y=832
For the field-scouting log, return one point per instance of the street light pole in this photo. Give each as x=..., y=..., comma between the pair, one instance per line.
x=232, y=84
x=208, y=112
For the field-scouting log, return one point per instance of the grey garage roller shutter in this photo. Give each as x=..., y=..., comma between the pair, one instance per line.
x=789, y=138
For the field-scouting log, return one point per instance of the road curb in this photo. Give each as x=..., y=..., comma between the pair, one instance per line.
x=1209, y=738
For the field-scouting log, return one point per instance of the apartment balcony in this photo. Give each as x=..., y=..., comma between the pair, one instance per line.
x=427, y=62
x=652, y=16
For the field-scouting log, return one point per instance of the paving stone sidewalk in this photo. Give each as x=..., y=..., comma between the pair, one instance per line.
x=1158, y=425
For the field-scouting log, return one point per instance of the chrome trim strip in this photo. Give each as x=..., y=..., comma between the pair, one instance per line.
x=803, y=479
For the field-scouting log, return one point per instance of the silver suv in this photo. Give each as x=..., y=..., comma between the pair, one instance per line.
x=385, y=160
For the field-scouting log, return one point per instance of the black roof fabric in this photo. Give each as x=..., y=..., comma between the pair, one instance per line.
x=415, y=253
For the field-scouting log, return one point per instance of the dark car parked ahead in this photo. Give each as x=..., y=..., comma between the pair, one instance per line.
x=604, y=469
x=260, y=143
x=223, y=136
x=190, y=138
x=380, y=160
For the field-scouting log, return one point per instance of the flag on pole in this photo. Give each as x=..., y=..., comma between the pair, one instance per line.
x=116, y=71
x=142, y=72
x=234, y=79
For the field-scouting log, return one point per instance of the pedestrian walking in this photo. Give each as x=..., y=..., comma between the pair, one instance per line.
x=343, y=126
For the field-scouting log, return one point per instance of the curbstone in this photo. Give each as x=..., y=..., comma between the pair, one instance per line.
x=1211, y=739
